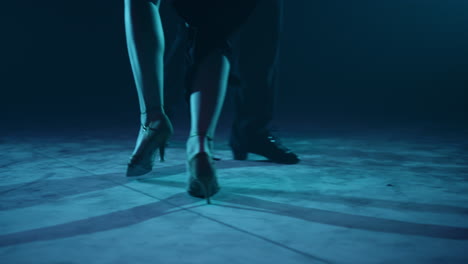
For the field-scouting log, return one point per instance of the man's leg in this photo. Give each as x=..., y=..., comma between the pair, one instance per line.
x=255, y=97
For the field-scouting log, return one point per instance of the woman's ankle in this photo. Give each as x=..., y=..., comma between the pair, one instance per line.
x=198, y=143
x=147, y=118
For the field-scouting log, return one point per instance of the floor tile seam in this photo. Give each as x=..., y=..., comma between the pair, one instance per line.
x=270, y=241
x=265, y=239
x=232, y=227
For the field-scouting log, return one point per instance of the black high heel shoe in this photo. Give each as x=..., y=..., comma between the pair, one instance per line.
x=203, y=182
x=151, y=138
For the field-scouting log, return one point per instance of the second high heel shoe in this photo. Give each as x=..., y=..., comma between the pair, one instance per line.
x=151, y=138
x=203, y=182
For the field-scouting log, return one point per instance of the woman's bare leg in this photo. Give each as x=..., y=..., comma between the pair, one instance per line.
x=209, y=84
x=145, y=42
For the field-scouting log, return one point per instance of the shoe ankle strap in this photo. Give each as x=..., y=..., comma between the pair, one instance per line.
x=201, y=135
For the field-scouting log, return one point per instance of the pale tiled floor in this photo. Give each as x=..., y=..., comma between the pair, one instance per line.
x=355, y=198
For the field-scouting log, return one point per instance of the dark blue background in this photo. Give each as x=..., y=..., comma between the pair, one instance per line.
x=398, y=61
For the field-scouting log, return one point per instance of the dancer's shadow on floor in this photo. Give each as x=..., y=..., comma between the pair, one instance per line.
x=229, y=198
x=105, y=222
x=46, y=189
x=238, y=197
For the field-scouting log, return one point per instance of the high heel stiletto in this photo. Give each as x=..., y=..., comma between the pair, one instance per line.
x=203, y=182
x=151, y=138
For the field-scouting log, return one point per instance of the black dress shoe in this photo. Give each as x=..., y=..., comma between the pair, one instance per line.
x=265, y=145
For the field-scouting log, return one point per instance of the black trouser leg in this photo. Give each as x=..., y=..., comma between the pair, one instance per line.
x=259, y=46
